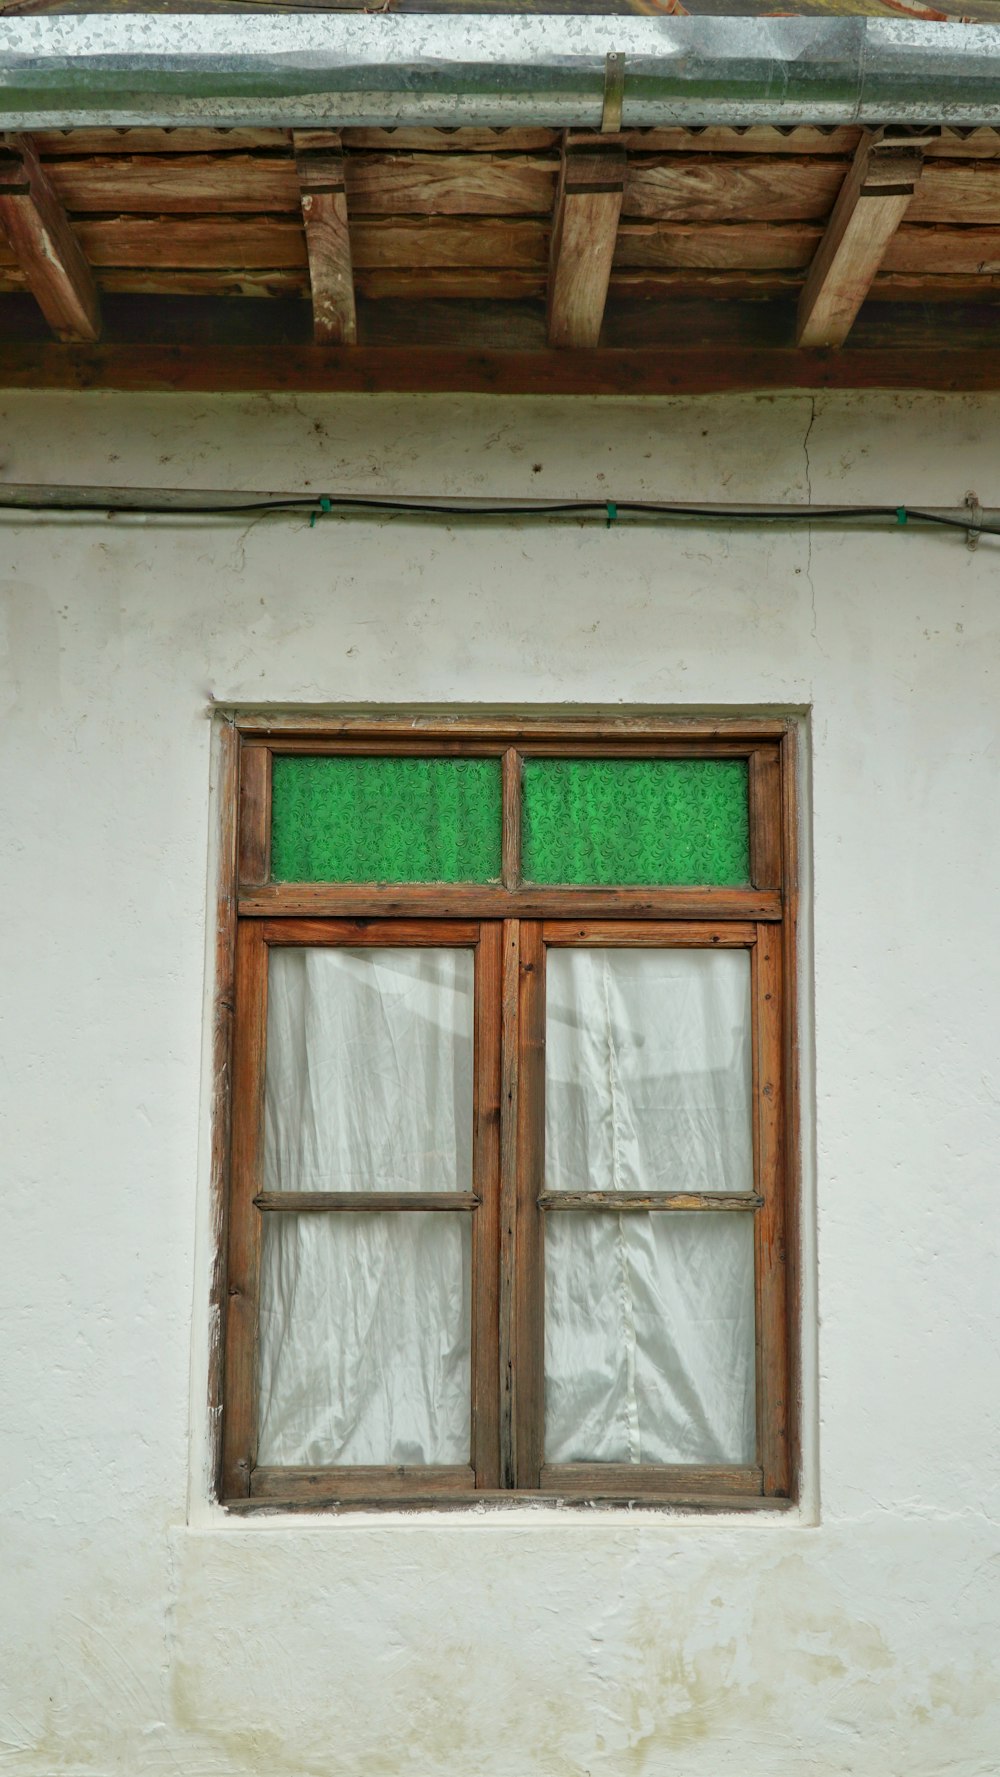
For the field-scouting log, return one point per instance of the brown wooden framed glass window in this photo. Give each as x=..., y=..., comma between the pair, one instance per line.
x=505, y=1112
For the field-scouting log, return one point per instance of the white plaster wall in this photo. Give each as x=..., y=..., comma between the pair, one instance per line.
x=145, y=1635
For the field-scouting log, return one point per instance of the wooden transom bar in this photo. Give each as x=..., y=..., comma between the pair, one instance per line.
x=509, y=927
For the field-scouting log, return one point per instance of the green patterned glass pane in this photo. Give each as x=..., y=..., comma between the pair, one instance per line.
x=385, y=820
x=644, y=821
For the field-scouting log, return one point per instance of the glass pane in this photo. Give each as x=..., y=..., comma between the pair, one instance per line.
x=647, y=1070
x=385, y=820
x=369, y=1070
x=645, y=821
x=364, y=1339
x=649, y=1338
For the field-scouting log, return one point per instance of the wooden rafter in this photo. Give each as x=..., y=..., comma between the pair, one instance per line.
x=44, y=245
x=323, y=196
x=584, y=231
x=447, y=253
x=873, y=200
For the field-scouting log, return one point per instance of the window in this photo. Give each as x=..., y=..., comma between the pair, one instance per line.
x=507, y=1011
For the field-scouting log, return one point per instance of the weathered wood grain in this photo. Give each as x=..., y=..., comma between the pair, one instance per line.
x=594, y=1479
x=255, y=813
x=243, y=1262
x=361, y=1202
x=171, y=184
x=871, y=204
x=43, y=244
x=328, y=245
x=510, y=966
x=769, y=1223
x=78, y=142
x=451, y=184
x=324, y=901
x=940, y=364
x=765, y=817
x=526, y=1348
x=584, y=230
x=511, y=833
x=717, y=246
x=689, y=188
x=382, y=1485
x=247, y=242
x=223, y=1002
x=649, y=1202
x=487, y=1116
x=954, y=192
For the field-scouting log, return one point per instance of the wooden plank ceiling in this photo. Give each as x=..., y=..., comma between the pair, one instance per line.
x=505, y=259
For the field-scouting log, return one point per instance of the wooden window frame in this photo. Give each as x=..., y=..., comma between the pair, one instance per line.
x=510, y=926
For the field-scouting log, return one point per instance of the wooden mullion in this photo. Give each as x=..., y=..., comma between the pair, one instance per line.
x=765, y=817
x=511, y=819
x=362, y=903
x=364, y=1202
x=769, y=1230
x=240, y=1428
x=528, y=1391
x=255, y=814
x=486, y=1223
x=510, y=964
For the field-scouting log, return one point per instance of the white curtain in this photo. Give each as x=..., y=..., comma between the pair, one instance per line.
x=649, y=1318
x=369, y=1070
x=364, y=1319
x=647, y=1070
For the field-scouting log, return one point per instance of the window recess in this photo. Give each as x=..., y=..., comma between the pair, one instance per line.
x=506, y=1154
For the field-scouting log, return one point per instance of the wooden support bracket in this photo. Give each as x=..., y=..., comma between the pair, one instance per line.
x=328, y=240
x=44, y=245
x=584, y=231
x=872, y=203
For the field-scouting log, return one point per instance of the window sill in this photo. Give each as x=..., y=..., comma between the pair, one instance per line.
x=488, y=1501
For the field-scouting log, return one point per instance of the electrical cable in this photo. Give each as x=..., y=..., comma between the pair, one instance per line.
x=118, y=502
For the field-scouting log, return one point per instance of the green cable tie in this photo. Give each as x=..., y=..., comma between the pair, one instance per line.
x=612, y=513
x=325, y=506
x=901, y=515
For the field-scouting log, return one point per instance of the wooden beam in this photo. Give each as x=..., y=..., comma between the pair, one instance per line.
x=872, y=203
x=584, y=231
x=679, y=370
x=648, y=347
x=44, y=245
x=328, y=243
